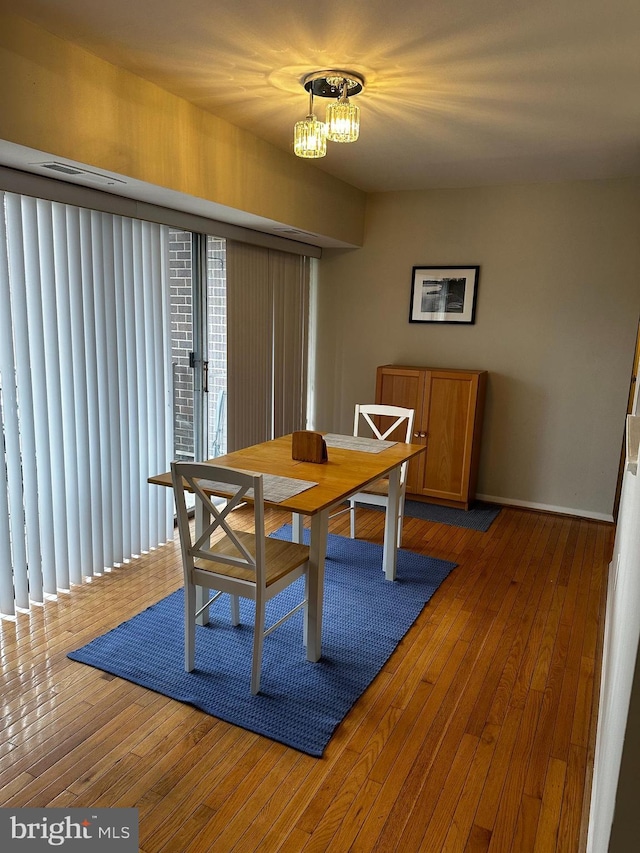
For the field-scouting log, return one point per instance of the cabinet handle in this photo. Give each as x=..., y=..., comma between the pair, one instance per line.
x=416, y=435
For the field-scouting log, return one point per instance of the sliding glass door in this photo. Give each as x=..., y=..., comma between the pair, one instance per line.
x=198, y=344
x=114, y=360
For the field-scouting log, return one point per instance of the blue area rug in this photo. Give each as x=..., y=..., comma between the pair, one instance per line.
x=479, y=516
x=300, y=703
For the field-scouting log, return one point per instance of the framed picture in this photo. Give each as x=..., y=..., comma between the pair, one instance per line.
x=443, y=294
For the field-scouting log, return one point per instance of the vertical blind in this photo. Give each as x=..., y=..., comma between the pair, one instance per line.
x=267, y=343
x=85, y=394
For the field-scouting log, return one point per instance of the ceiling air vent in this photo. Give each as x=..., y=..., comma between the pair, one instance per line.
x=292, y=232
x=61, y=167
x=75, y=172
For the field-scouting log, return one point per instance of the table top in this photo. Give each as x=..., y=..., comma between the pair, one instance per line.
x=345, y=471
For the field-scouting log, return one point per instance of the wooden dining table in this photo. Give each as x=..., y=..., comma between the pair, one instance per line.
x=332, y=482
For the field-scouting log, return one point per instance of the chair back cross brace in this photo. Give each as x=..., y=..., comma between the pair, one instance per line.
x=218, y=521
x=382, y=436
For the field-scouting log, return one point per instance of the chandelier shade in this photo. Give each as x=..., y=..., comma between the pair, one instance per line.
x=310, y=138
x=343, y=121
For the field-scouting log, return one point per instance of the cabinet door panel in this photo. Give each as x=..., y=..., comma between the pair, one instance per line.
x=397, y=386
x=451, y=413
x=400, y=387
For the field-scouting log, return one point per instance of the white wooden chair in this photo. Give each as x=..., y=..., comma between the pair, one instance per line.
x=248, y=565
x=388, y=420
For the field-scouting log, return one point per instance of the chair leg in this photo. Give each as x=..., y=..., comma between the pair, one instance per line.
x=352, y=519
x=258, y=639
x=235, y=610
x=400, y=521
x=189, y=627
x=305, y=623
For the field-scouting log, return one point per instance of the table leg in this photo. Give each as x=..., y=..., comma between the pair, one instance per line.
x=390, y=550
x=297, y=527
x=318, y=549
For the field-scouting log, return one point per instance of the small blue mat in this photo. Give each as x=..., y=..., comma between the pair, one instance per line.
x=300, y=703
x=480, y=516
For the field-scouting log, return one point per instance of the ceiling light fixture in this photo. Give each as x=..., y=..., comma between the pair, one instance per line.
x=343, y=118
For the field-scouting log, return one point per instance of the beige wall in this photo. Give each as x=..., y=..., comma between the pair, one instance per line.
x=557, y=314
x=59, y=99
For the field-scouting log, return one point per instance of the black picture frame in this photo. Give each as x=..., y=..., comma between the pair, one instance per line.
x=445, y=294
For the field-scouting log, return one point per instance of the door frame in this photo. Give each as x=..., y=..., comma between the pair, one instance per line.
x=630, y=410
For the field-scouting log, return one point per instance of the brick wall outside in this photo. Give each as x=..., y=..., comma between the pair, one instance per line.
x=180, y=275
x=180, y=270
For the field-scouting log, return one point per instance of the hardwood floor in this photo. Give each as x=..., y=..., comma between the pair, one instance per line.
x=476, y=736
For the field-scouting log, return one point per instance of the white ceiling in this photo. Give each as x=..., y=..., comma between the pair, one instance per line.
x=459, y=92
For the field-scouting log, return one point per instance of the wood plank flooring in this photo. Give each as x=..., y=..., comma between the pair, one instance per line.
x=476, y=737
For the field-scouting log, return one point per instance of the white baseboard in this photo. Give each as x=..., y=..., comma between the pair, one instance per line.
x=562, y=510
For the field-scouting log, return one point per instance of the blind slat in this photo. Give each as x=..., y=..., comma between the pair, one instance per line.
x=11, y=505
x=132, y=426
x=62, y=244
x=33, y=372
x=142, y=319
x=121, y=357
x=29, y=414
x=53, y=438
x=78, y=370
x=92, y=303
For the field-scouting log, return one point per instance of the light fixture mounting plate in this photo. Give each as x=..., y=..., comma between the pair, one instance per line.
x=327, y=84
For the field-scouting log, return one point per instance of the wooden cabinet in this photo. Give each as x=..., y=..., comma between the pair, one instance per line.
x=449, y=407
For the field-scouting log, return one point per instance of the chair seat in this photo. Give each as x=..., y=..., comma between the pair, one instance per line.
x=281, y=557
x=378, y=487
